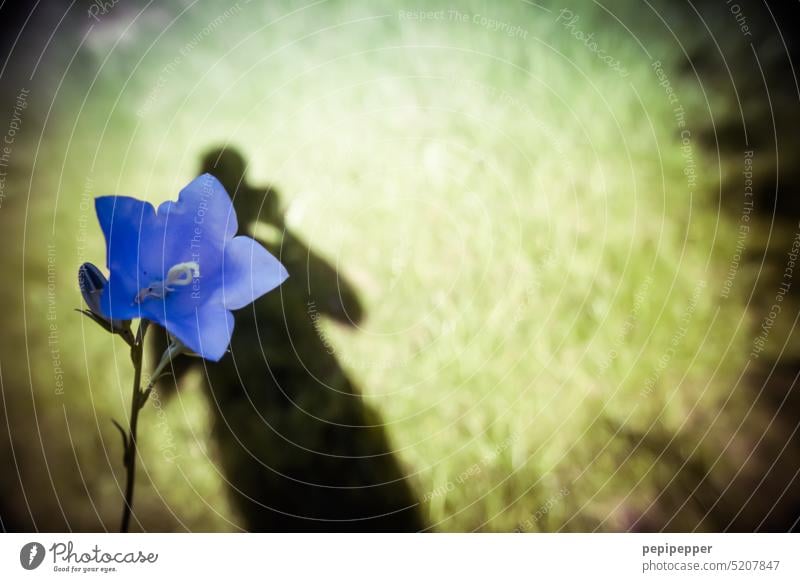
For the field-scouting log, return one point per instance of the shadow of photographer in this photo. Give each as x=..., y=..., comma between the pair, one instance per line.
x=299, y=448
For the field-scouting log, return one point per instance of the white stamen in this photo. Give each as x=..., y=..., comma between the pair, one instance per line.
x=179, y=275
x=182, y=274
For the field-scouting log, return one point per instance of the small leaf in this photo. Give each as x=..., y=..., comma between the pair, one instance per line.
x=122, y=433
x=143, y=396
x=123, y=331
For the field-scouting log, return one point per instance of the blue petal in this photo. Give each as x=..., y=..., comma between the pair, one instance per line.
x=249, y=271
x=116, y=300
x=207, y=193
x=123, y=220
x=195, y=228
x=204, y=202
x=207, y=331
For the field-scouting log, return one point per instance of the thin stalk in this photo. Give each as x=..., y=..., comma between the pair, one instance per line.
x=138, y=399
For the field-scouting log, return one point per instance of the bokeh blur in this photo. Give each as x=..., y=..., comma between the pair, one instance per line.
x=542, y=255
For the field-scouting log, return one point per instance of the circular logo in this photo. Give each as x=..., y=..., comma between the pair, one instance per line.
x=31, y=555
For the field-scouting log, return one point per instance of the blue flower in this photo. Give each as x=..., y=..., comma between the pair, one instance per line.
x=182, y=266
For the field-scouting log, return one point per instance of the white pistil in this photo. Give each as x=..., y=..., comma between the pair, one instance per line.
x=179, y=275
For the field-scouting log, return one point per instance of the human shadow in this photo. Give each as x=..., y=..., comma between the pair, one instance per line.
x=299, y=448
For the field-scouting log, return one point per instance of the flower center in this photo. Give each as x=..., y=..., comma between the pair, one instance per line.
x=179, y=275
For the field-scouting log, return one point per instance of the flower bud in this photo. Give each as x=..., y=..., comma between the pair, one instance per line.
x=92, y=282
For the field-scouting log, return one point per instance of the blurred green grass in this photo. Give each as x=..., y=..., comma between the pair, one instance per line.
x=498, y=202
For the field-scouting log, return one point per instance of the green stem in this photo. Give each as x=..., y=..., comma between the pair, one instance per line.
x=138, y=399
